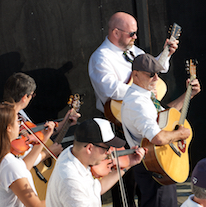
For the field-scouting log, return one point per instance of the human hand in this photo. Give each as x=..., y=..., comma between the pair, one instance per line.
x=138, y=156
x=56, y=148
x=195, y=87
x=184, y=132
x=173, y=45
x=73, y=116
x=48, y=131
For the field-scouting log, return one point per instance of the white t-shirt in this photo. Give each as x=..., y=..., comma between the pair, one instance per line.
x=190, y=203
x=71, y=184
x=12, y=169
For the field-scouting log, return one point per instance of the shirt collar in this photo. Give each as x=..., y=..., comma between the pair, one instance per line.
x=114, y=47
x=141, y=90
x=80, y=167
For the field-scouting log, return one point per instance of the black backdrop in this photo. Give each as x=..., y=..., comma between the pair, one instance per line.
x=53, y=40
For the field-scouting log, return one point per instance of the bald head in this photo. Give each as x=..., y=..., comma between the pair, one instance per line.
x=122, y=30
x=121, y=20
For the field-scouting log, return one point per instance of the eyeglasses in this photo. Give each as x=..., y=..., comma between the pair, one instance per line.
x=106, y=148
x=32, y=95
x=131, y=34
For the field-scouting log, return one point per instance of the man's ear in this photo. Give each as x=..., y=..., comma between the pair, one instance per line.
x=134, y=73
x=24, y=98
x=89, y=148
x=116, y=33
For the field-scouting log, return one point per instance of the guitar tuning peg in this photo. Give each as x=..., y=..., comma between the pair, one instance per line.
x=187, y=65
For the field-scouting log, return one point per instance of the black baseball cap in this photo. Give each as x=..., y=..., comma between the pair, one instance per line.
x=147, y=63
x=199, y=173
x=97, y=130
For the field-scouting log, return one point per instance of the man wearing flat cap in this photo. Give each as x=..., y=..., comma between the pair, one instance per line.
x=71, y=182
x=198, y=186
x=139, y=120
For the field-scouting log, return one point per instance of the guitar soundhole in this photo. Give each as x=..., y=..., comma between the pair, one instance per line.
x=48, y=162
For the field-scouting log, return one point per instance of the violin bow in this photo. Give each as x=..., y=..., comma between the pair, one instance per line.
x=39, y=140
x=121, y=183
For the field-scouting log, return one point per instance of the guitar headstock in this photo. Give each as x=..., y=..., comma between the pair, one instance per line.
x=191, y=68
x=75, y=102
x=175, y=31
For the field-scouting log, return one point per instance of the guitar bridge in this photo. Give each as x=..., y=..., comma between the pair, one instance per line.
x=41, y=177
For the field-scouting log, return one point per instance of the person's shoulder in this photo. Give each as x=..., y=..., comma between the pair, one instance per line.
x=137, y=51
x=13, y=166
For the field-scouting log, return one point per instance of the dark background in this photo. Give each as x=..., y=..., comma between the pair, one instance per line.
x=52, y=41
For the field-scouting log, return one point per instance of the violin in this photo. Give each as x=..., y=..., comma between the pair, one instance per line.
x=105, y=167
x=29, y=134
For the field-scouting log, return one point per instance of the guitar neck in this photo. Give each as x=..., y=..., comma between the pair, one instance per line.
x=186, y=103
x=63, y=131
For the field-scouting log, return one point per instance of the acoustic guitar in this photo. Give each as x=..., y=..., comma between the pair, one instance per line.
x=42, y=172
x=112, y=108
x=170, y=163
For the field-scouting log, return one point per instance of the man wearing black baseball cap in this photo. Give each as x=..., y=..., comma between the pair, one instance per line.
x=139, y=120
x=198, y=186
x=71, y=182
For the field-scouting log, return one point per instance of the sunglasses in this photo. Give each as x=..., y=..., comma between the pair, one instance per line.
x=151, y=75
x=106, y=148
x=131, y=34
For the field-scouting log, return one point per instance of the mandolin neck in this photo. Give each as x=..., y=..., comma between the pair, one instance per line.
x=165, y=53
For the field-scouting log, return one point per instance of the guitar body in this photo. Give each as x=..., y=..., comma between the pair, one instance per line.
x=46, y=167
x=46, y=170
x=168, y=167
x=112, y=108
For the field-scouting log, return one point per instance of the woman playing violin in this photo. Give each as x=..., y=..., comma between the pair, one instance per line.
x=16, y=186
x=71, y=182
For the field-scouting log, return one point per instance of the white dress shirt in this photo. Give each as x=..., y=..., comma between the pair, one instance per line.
x=109, y=72
x=139, y=115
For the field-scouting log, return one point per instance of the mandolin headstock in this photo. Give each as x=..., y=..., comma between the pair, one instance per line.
x=174, y=31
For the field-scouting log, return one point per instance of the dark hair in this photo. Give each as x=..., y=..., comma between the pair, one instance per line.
x=7, y=117
x=17, y=86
